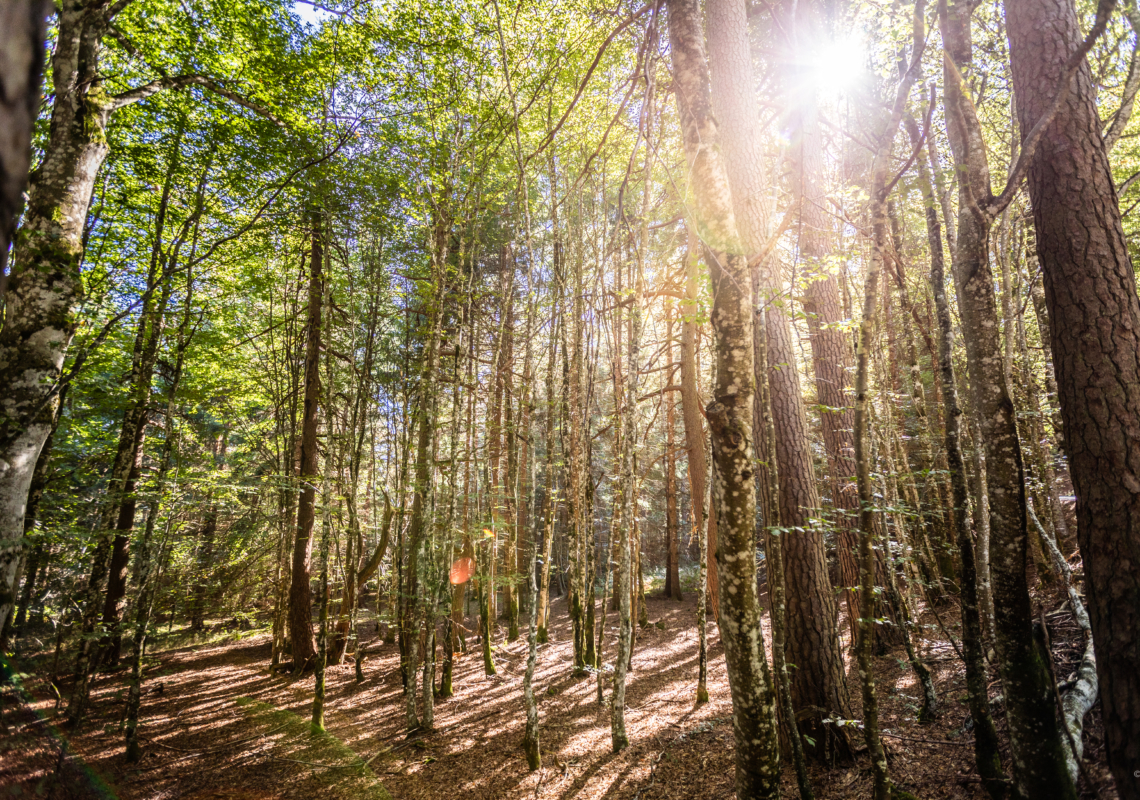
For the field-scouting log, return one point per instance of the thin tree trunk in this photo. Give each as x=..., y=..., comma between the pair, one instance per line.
x=1035, y=737
x=300, y=593
x=691, y=416
x=987, y=757
x=880, y=191
x=146, y=561
x=672, y=527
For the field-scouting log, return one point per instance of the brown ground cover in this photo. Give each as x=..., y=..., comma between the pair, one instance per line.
x=223, y=728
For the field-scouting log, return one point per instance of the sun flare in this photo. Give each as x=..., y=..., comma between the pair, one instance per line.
x=838, y=64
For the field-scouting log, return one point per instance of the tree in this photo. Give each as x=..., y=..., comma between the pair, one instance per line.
x=300, y=592
x=1035, y=736
x=730, y=412
x=1094, y=316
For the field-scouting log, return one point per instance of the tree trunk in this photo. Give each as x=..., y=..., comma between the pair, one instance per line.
x=691, y=415
x=146, y=555
x=672, y=528
x=44, y=284
x=38, y=559
x=23, y=24
x=987, y=757
x=1094, y=314
x=832, y=358
x=880, y=191
x=730, y=413
x=813, y=643
x=1035, y=737
x=300, y=592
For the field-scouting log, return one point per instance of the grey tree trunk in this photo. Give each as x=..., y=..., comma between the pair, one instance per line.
x=44, y=285
x=987, y=757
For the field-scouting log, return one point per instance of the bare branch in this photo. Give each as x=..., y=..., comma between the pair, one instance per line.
x=546, y=140
x=181, y=82
x=995, y=205
x=1131, y=85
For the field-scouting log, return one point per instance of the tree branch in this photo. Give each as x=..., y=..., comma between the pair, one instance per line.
x=995, y=205
x=179, y=82
x=1128, y=98
x=546, y=140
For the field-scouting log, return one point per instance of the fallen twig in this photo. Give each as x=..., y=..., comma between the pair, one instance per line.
x=221, y=747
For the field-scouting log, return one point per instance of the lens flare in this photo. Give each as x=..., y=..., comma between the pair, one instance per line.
x=838, y=65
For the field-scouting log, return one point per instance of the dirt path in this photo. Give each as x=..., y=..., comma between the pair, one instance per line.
x=224, y=727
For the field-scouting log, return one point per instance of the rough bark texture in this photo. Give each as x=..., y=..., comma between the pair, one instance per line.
x=1094, y=316
x=300, y=593
x=730, y=412
x=44, y=285
x=1035, y=737
x=813, y=643
x=774, y=554
x=830, y=346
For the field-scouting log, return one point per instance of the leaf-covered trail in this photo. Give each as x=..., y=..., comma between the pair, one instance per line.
x=224, y=727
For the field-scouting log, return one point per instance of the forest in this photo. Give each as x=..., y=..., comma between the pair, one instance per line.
x=569, y=399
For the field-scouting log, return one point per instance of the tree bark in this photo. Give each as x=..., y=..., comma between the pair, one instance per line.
x=832, y=358
x=813, y=642
x=1094, y=316
x=730, y=412
x=987, y=757
x=44, y=285
x=1035, y=736
x=300, y=592
x=23, y=24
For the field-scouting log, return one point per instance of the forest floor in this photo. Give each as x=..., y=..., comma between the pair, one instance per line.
x=217, y=725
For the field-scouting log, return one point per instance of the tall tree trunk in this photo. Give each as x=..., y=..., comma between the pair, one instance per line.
x=147, y=580
x=987, y=757
x=730, y=412
x=420, y=593
x=881, y=186
x=44, y=288
x=672, y=526
x=774, y=555
x=147, y=340
x=625, y=529
x=813, y=643
x=300, y=592
x=691, y=416
x=1035, y=736
x=830, y=345
x=1094, y=315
